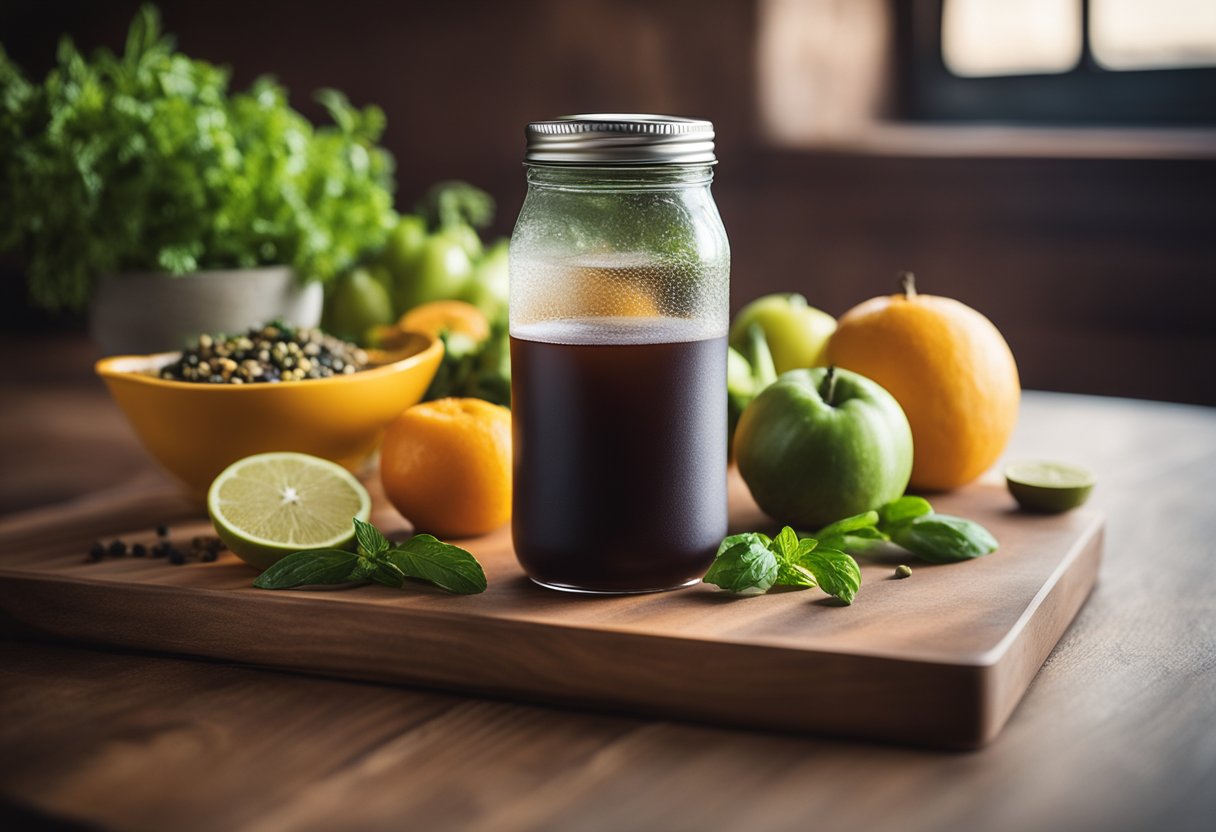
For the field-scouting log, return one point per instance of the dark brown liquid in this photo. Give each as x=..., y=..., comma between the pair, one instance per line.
x=620, y=454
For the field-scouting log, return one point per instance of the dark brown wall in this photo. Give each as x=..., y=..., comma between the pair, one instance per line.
x=1100, y=272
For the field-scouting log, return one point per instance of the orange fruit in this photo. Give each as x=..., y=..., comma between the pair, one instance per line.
x=451, y=316
x=948, y=367
x=446, y=466
x=447, y=316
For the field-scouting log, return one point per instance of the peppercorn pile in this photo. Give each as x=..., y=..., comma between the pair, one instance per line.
x=202, y=548
x=268, y=354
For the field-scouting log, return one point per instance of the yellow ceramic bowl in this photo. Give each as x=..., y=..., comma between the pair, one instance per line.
x=196, y=430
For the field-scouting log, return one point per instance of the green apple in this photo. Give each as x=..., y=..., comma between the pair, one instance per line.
x=357, y=303
x=747, y=373
x=823, y=444
x=469, y=239
x=383, y=276
x=404, y=244
x=440, y=271
x=797, y=333
x=487, y=289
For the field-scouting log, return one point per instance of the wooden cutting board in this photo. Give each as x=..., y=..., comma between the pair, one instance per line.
x=941, y=658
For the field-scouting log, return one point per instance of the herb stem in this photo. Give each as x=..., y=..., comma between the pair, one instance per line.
x=829, y=386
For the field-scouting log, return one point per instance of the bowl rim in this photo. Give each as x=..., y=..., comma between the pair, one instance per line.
x=134, y=367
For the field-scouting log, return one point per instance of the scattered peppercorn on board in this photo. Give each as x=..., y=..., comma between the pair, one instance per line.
x=938, y=658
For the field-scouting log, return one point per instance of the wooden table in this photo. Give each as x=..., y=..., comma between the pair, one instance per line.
x=1118, y=731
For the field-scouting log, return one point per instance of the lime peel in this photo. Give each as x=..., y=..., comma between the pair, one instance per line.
x=1047, y=486
x=269, y=505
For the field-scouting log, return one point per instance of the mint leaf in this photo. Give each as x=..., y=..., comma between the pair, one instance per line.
x=853, y=534
x=903, y=510
x=751, y=564
x=449, y=567
x=836, y=573
x=785, y=544
x=362, y=570
x=744, y=564
x=867, y=519
x=857, y=541
x=318, y=566
x=747, y=537
x=388, y=575
x=371, y=541
x=940, y=538
x=791, y=574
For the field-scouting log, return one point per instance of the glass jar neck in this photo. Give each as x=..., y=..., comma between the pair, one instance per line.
x=619, y=177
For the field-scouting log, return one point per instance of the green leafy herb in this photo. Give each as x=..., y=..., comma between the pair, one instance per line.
x=371, y=541
x=376, y=559
x=744, y=564
x=852, y=534
x=447, y=566
x=471, y=370
x=903, y=510
x=145, y=160
x=940, y=538
x=751, y=564
x=449, y=204
x=317, y=566
x=835, y=571
x=911, y=523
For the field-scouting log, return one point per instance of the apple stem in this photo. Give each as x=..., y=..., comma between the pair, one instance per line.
x=829, y=385
x=907, y=283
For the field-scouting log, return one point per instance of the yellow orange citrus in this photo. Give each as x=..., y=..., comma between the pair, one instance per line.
x=451, y=316
x=447, y=316
x=948, y=367
x=446, y=466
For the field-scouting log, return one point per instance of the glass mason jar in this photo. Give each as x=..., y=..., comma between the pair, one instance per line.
x=620, y=282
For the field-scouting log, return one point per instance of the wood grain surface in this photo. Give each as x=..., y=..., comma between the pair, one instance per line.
x=1115, y=733
x=939, y=659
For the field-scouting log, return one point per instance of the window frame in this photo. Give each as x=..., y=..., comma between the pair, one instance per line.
x=1089, y=94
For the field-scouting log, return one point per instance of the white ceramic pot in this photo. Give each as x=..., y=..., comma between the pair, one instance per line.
x=142, y=312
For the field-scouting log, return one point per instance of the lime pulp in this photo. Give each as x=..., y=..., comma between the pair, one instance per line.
x=269, y=505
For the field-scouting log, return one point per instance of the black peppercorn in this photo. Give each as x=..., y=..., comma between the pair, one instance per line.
x=139, y=550
x=97, y=551
x=117, y=549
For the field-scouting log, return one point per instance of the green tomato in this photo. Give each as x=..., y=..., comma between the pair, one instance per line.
x=818, y=445
x=797, y=333
x=440, y=272
x=403, y=246
x=488, y=288
x=357, y=303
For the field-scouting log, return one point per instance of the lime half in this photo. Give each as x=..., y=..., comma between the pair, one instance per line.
x=1049, y=486
x=270, y=505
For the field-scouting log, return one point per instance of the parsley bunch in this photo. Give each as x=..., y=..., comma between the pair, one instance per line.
x=146, y=161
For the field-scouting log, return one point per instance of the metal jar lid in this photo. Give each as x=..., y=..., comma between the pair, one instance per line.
x=620, y=139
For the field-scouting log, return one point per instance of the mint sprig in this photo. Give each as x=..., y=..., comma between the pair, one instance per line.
x=427, y=558
x=422, y=557
x=745, y=564
x=910, y=523
x=752, y=564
